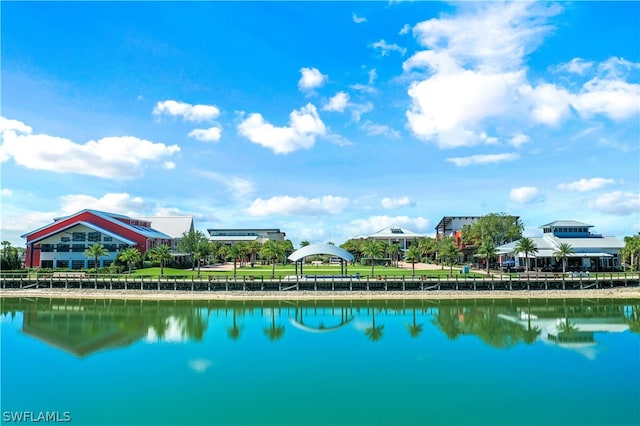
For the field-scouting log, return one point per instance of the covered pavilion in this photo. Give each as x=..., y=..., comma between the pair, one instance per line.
x=315, y=249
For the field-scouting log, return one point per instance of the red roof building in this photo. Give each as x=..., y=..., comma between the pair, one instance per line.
x=61, y=244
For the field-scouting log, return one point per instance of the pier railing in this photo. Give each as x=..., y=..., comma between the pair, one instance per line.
x=530, y=281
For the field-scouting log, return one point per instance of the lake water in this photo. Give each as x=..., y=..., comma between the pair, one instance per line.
x=423, y=362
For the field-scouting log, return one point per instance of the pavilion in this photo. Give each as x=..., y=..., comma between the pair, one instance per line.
x=314, y=249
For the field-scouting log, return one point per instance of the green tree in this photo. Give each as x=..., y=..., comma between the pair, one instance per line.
x=527, y=246
x=235, y=329
x=304, y=243
x=394, y=253
x=191, y=242
x=252, y=248
x=10, y=257
x=353, y=246
x=631, y=251
x=161, y=253
x=202, y=251
x=273, y=251
x=372, y=249
x=448, y=251
x=487, y=251
x=235, y=251
x=274, y=331
x=563, y=252
x=130, y=256
x=413, y=255
x=500, y=228
x=96, y=251
x=428, y=247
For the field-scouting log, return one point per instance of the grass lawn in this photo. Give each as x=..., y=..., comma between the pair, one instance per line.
x=281, y=271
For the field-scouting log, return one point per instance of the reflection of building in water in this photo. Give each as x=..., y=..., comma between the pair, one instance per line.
x=572, y=332
x=81, y=331
x=85, y=328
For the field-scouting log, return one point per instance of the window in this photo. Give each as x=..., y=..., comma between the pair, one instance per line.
x=111, y=247
x=63, y=264
x=77, y=264
x=78, y=248
x=46, y=248
x=63, y=248
x=79, y=236
x=106, y=263
x=94, y=236
x=92, y=263
x=46, y=264
x=107, y=239
x=65, y=239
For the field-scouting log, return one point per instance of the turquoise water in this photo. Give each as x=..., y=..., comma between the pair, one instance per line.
x=466, y=362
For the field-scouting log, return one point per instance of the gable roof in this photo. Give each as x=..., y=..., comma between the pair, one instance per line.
x=393, y=231
x=567, y=223
x=174, y=226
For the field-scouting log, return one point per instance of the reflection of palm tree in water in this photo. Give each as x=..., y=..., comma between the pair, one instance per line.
x=274, y=332
x=374, y=333
x=530, y=334
x=414, y=329
x=234, y=330
x=447, y=321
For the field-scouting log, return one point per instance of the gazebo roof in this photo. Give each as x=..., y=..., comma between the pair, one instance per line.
x=313, y=249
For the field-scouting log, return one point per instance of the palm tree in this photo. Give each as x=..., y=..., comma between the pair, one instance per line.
x=201, y=250
x=252, y=248
x=234, y=331
x=162, y=254
x=428, y=247
x=130, y=256
x=96, y=251
x=449, y=252
x=527, y=246
x=563, y=251
x=394, y=252
x=372, y=249
x=413, y=256
x=374, y=333
x=191, y=242
x=273, y=251
x=487, y=251
x=235, y=251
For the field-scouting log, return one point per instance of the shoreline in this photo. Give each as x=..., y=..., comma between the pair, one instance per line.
x=606, y=293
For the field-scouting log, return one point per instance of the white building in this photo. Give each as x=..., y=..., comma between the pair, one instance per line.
x=232, y=236
x=592, y=252
x=396, y=235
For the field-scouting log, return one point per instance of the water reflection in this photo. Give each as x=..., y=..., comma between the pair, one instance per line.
x=84, y=327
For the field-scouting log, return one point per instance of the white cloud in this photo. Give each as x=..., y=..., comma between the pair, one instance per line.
x=394, y=203
x=474, y=67
x=121, y=203
x=385, y=48
x=373, y=74
x=615, y=99
x=405, y=29
x=483, y=159
x=358, y=109
x=304, y=126
x=194, y=113
x=311, y=79
x=237, y=185
x=358, y=20
x=364, y=227
x=617, y=203
x=526, y=195
x=287, y=205
x=111, y=157
x=550, y=103
x=519, y=140
x=169, y=165
x=7, y=124
x=373, y=129
x=337, y=103
x=575, y=66
x=583, y=185
x=212, y=134
x=6, y=192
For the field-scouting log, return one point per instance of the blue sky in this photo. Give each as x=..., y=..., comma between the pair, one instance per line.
x=329, y=120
